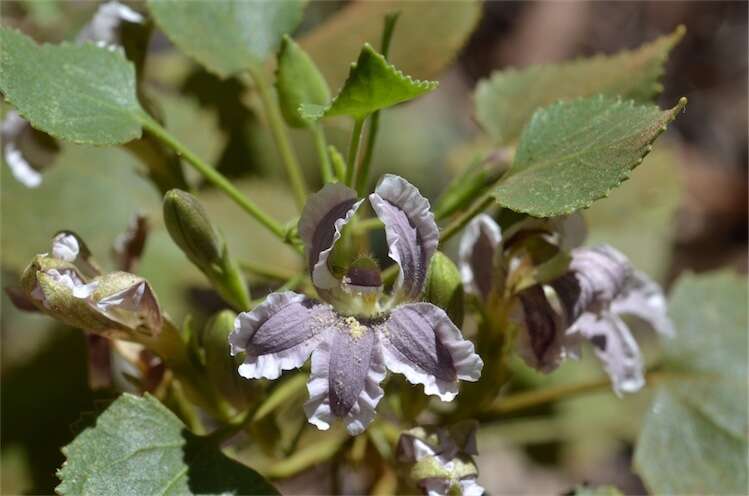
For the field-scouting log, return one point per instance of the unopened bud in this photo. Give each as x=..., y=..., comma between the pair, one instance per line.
x=220, y=365
x=444, y=287
x=298, y=82
x=189, y=226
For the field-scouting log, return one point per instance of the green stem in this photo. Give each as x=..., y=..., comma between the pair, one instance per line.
x=367, y=225
x=530, y=399
x=454, y=227
x=172, y=349
x=265, y=271
x=278, y=130
x=353, y=152
x=374, y=125
x=322, y=152
x=216, y=178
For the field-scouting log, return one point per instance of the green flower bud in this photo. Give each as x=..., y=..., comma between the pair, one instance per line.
x=444, y=287
x=189, y=226
x=298, y=81
x=220, y=365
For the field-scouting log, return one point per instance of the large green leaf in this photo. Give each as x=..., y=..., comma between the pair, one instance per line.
x=506, y=101
x=139, y=447
x=372, y=84
x=694, y=440
x=426, y=40
x=80, y=93
x=573, y=153
x=226, y=36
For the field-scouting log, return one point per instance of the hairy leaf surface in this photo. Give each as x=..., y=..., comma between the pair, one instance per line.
x=81, y=93
x=573, y=153
x=139, y=447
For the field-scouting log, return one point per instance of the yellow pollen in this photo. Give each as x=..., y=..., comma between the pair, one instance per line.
x=355, y=328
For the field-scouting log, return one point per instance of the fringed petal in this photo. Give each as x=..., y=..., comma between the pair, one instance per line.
x=420, y=342
x=279, y=334
x=616, y=348
x=320, y=226
x=478, y=248
x=347, y=370
x=411, y=231
x=644, y=299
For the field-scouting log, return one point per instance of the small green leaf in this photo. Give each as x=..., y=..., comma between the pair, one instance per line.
x=80, y=93
x=298, y=81
x=229, y=36
x=506, y=101
x=694, y=440
x=426, y=42
x=139, y=447
x=372, y=84
x=573, y=153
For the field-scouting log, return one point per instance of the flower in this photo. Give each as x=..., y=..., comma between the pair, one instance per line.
x=68, y=286
x=585, y=303
x=441, y=461
x=354, y=334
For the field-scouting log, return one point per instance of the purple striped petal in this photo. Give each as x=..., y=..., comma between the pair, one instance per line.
x=644, y=299
x=411, y=231
x=345, y=381
x=320, y=225
x=616, y=348
x=279, y=334
x=542, y=342
x=420, y=342
x=478, y=247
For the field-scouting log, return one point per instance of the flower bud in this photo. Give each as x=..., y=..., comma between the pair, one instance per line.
x=115, y=305
x=189, y=226
x=298, y=81
x=444, y=287
x=220, y=365
x=440, y=461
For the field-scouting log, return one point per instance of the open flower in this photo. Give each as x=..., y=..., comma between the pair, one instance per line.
x=585, y=303
x=441, y=461
x=355, y=334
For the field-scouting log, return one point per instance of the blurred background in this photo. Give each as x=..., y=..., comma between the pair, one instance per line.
x=684, y=209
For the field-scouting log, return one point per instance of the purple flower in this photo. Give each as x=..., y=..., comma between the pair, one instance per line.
x=355, y=334
x=586, y=303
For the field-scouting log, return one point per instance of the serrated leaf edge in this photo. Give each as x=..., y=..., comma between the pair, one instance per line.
x=421, y=84
x=670, y=115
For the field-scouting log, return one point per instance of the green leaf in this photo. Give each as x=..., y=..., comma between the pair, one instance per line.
x=506, y=101
x=372, y=84
x=426, y=41
x=139, y=447
x=298, y=81
x=80, y=93
x=597, y=491
x=573, y=153
x=694, y=440
x=229, y=36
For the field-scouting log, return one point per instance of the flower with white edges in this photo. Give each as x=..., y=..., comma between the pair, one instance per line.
x=355, y=334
